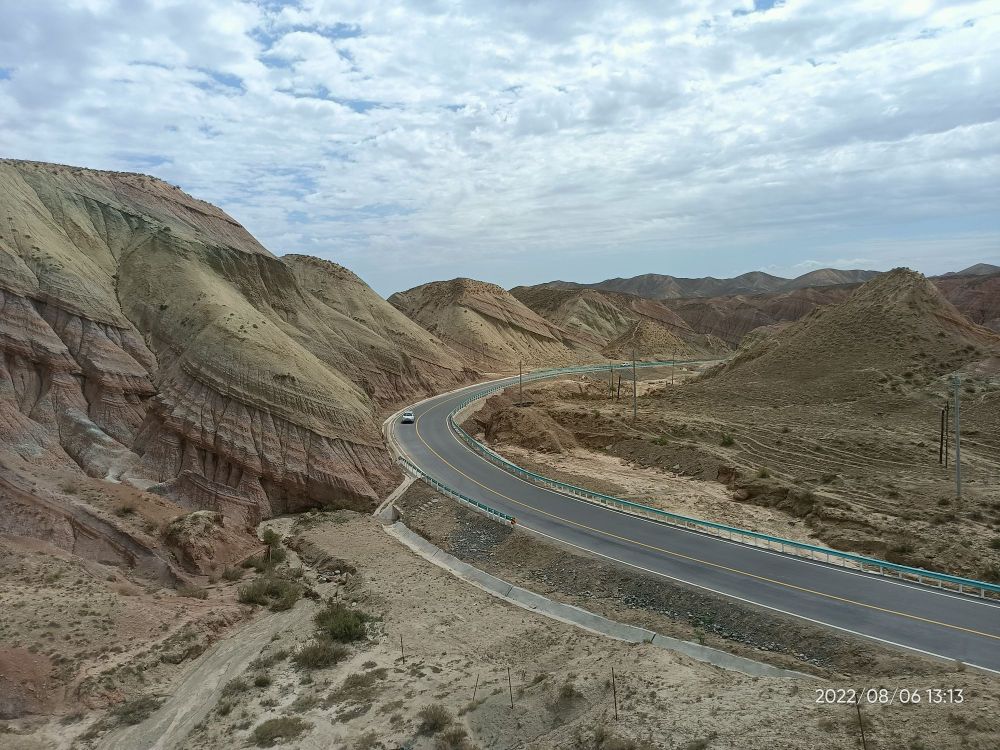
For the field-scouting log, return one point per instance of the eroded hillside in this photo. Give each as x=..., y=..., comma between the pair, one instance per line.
x=489, y=327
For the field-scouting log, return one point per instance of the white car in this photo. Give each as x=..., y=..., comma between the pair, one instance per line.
x=407, y=418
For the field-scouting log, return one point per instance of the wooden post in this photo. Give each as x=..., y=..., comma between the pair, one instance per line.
x=614, y=691
x=402, y=655
x=475, y=688
x=510, y=687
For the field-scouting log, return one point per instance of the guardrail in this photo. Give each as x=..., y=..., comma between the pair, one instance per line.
x=731, y=533
x=446, y=490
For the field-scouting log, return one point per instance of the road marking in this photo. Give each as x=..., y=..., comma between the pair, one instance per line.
x=678, y=554
x=557, y=540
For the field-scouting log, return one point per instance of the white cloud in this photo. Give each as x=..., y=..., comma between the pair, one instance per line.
x=410, y=140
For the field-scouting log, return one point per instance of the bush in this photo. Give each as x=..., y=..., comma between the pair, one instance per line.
x=342, y=624
x=726, y=440
x=763, y=473
x=232, y=574
x=277, y=593
x=270, y=537
x=137, y=710
x=126, y=508
x=455, y=738
x=261, y=680
x=995, y=542
x=318, y=654
x=433, y=718
x=285, y=728
x=235, y=686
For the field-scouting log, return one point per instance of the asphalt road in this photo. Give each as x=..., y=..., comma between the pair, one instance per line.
x=917, y=617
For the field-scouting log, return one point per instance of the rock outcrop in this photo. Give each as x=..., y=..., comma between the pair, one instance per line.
x=489, y=327
x=147, y=337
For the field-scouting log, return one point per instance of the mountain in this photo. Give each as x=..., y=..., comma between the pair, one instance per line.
x=660, y=287
x=730, y=318
x=976, y=295
x=149, y=339
x=896, y=325
x=490, y=327
x=617, y=322
x=979, y=269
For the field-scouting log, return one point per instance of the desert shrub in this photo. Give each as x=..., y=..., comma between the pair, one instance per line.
x=726, y=440
x=126, y=508
x=995, y=542
x=277, y=593
x=763, y=473
x=433, y=718
x=367, y=741
x=455, y=738
x=261, y=680
x=564, y=697
x=235, y=687
x=136, y=710
x=286, y=728
x=318, y=654
x=342, y=624
x=232, y=574
x=266, y=660
x=192, y=592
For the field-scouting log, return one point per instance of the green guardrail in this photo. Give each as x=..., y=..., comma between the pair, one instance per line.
x=446, y=490
x=732, y=533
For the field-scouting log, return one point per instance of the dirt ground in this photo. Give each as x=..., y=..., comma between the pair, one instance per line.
x=458, y=641
x=861, y=475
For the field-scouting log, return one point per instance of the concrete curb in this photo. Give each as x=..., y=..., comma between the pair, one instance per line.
x=581, y=618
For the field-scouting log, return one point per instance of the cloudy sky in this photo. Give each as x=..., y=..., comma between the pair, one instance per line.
x=523, y=141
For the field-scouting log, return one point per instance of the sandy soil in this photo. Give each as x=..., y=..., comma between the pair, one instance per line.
x=459, y=641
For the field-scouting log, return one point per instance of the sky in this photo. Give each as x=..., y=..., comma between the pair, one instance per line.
x=520, y=142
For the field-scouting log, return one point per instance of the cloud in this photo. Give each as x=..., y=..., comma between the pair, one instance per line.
x=423, y=139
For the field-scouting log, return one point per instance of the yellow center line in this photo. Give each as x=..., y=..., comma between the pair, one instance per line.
x=678, y=555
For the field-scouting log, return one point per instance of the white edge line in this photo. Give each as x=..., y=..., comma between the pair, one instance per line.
x=912, y=585
x=758, y=604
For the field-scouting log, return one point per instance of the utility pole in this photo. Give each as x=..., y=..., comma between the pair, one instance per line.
x=520, y=382
x=635, y=391
x=958, y=437
x=947, y=447
x=941, y=438
x=673, y=366
x=611, y=380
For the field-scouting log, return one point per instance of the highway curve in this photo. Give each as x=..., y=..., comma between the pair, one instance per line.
x=921, y=618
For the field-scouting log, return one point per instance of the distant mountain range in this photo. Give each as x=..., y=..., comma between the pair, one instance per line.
x=660, y=286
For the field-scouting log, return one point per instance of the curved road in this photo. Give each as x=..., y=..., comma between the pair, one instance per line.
x=916, y=617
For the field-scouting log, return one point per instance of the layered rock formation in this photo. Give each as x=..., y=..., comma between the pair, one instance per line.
x=147, y=337
x=489, y=327
x=618, y=323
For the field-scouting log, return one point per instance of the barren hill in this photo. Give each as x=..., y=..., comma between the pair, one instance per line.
x=619, y=322
x=976, y=295
x=660, y=286
x=897, y=325
x=489, y=327
x=148, y=337
x=730, y=318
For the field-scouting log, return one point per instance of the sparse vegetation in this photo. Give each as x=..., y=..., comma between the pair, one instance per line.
x=433, y=718
x=282, y=729
x=232, y=574
x=340, y=623
x=318, y=654
x=727, y=440
x=277, y=593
